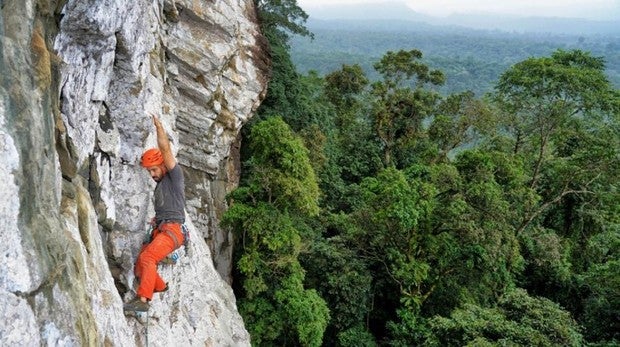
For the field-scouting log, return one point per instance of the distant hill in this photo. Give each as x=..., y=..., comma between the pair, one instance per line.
x=388, y=10
x=399, y=11
x=555, y=25
x=472, y=59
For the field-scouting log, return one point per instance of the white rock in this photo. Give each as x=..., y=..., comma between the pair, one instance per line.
x=77, y=202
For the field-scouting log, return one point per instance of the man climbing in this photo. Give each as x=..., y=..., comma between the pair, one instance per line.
x=167, y=235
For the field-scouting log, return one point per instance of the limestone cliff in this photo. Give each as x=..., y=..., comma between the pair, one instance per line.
x=78, y=79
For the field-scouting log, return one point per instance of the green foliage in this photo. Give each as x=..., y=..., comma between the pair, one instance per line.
x=398, y=67
x=270, y=244
x=548, y=255
x=518, y=320
x=602, y=280
x=318, y=112
x=603, y=304
x=356, y=337
x=343, y=279
x=562, y=118
x=285, y=95
x=282, y=14
x=267, y=215
x=262, y=320
x=307, y=313
x=353, y=151
x=283, y=173
x=398, y=111
x=385, y=214
x=409, y=330
x=465, y=232
x=489, y=215
x=544, y=92
x=390, y=204
x=460, y=121
x=554, y=107
x=344, y=85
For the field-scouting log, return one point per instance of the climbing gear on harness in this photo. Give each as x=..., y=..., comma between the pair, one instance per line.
x=170, y=259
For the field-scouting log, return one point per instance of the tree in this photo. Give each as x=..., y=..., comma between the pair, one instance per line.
x=286, y=14
x=386, y=237
x=600, y=284
x=562, y=119
x=342, y=277
x=544, y=96
x=278, y=19
x=459, y=121
x=517, y=320
x=467, y=233
x=398, y=109
x=267, y=215
x=354, y=152
x=388, y=217
x=343, y=88
x=283, y=175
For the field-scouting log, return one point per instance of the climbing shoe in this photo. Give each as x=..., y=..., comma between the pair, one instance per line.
x=136, y=305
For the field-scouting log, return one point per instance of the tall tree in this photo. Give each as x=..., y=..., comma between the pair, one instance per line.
x=544, y=96
x=357, y=153
x=268, y=216
x=282, y=14
x=344, y=88
x=279, y=19
x=401, y=101
x=387, y=238
x=562, y=115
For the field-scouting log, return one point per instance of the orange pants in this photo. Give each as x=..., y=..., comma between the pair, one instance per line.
x=166, y=238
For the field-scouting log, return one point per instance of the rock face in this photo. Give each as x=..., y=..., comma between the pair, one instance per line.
x=78, y=80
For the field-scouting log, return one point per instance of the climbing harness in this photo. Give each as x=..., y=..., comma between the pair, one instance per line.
x=174, y=256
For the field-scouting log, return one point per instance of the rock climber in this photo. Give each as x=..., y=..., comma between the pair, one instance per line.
x=167, y=235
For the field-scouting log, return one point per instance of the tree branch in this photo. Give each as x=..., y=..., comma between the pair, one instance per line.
x=546, y=205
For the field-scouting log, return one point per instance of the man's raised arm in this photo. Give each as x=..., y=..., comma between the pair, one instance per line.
x=164, y=144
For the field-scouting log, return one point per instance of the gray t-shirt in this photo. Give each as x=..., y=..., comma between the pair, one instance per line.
x=170, y=196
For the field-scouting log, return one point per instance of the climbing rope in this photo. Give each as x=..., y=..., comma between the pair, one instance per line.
x=147, y=329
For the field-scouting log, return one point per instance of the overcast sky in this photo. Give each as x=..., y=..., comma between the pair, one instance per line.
x=590, y=9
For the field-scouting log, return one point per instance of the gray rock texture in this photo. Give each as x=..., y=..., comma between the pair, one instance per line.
x=78, y=82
